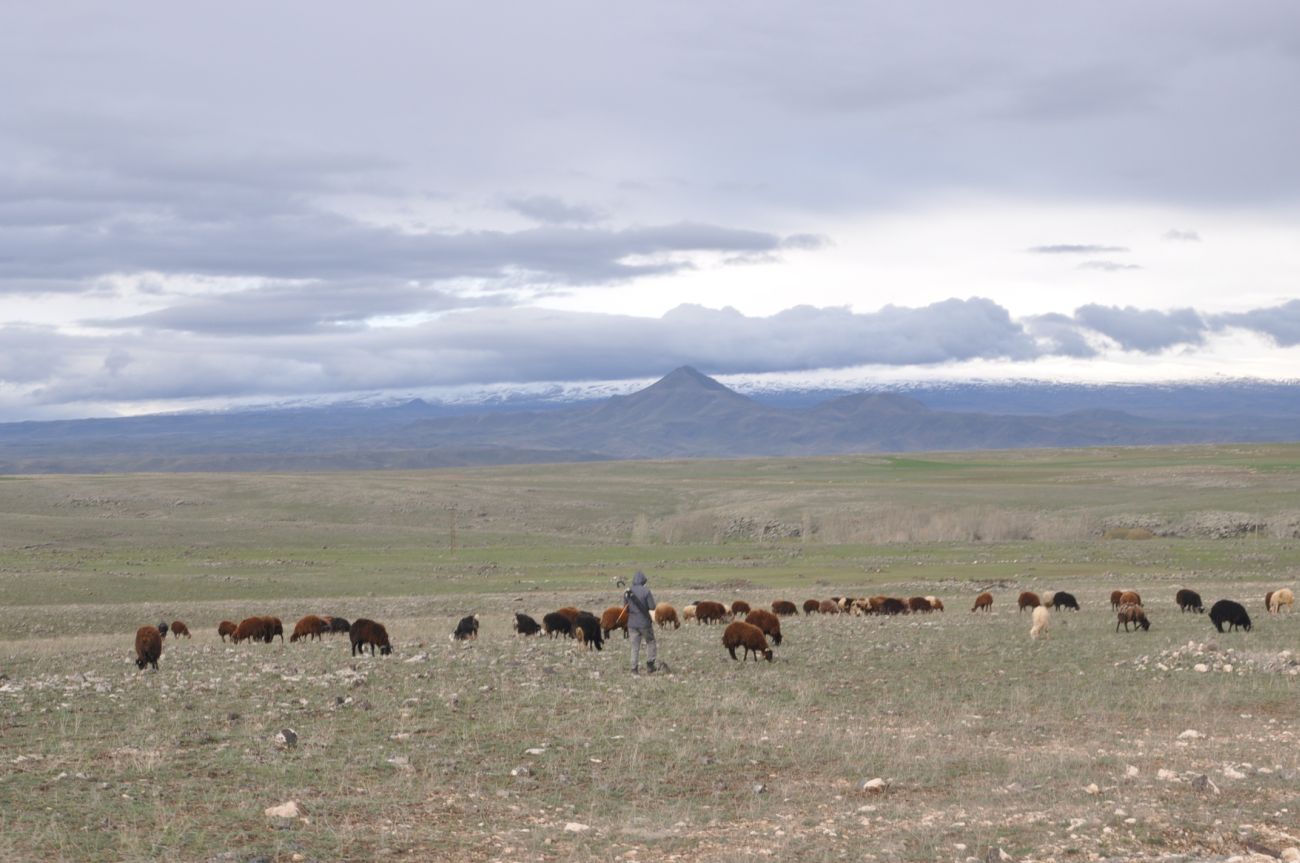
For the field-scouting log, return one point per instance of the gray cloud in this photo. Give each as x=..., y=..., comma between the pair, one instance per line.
x=1060, y=335
x=1075, y=249
x=554, y=211
x=1280, y=323
x=1108, y=266
x=1145, y=330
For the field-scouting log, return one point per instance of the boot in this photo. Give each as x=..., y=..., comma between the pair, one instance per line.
x=650, y=666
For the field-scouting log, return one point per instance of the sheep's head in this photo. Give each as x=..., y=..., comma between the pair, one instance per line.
x=1146, y=624
x=767, y=654
x=140, y=663
x=385, y=649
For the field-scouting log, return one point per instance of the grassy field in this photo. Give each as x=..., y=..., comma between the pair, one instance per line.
x=1070, y=748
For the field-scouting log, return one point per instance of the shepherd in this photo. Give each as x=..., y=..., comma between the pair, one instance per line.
x=640, y=604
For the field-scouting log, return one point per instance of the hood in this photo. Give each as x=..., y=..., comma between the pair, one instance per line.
x=638, y=579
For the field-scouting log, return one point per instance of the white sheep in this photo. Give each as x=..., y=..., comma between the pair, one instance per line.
x=1280, y=598
x=1042, y=618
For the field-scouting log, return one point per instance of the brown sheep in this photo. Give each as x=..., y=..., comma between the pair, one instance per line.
x=919, y=604
x=829, y=607
x=1028, y=599
x=811, y=605
x=710, y=612
x=784, y=608
x=1115, y=597
x=892, y=606
x=612, y=618
x=368, y=632
x=1131, y=613
x=570, y=612
x=226, y=627
x=748, y=636
x=739, y=607
x=310, y=627
x=179, y=628
x=936, y=604
x=148, y=647
x=768, y=622
x=666, y=614
x=255, y=628
x=983, y=601
x=1130, y=597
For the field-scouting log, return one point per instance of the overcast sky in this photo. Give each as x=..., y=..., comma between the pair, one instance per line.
x=216, y=203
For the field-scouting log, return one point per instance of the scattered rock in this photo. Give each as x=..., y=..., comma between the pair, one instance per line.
x=1191, y=734
x=1166, y=775
x=1201, y=667
x=522, y=771
x=1131, y=771
x=284, y=810
x=1092, y=788
x=1291, y=855
x=760, y=788
x=997, y=855
x=286, y=738
x=873, y=786
x=1204, y=784
x=575, y=827
x=1233, y=773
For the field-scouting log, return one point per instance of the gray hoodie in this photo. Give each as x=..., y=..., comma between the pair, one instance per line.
x=640, y=603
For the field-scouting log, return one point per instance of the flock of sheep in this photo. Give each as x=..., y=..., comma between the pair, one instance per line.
x=747, y=629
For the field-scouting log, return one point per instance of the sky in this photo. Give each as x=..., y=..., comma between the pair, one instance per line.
x=215, y=204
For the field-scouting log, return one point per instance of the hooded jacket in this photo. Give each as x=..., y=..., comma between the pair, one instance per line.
x=640, y=603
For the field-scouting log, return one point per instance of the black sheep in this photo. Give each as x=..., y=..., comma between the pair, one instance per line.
x=1065, y=600
x=1189, y=600
x=1229, y=612
x=162, y=629
x=525, y=625
x=556, y=623
x=340, y=624
x=467, y=628
x=587, y=630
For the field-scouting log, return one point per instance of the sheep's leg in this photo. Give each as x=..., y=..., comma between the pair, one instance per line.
x=732, y=651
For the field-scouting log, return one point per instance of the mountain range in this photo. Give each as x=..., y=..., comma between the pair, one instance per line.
x=683, y=415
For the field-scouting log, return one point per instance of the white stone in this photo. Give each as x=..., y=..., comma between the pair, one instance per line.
x=537, y=750
x=1201, y=667
x=1233, y=773
x=1166, y=775
x=1131, y=771
x=284, y=810
x=1291, y=855
x=1227, y=667
x=575, y=827
x=1191, y=734
x=1092, y=788
x=873, y=786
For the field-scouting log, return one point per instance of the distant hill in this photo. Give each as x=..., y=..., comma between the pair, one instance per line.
x=684, y=415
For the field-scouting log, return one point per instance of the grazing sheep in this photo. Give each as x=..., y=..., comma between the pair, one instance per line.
x=339, y=625
x=1131, y=613
x=1189, y=600
x=525, y=625
x=226, y=627
x=1115, y=599
x=1042, y=619
x=179, y=628
x=811, y=605
x=891, y=606
x=983, y=601
x=1280, y=599
x=273, y=627
x=557, y=624
x=614, y=617
x=784, y=608
x=1130, y=597
x=739, y=607
x=688, y=613
x=1049, y=599
x=747, y=636
x=666, y=614
x=919, y=605
x=467, y=628
x=1028, y=599
x=586, y=628
x=148, y=646
x=826, y=606
x=254, y=628
x=1229, y=612
x=709, y=612
x=936, y=604
x=368, y=632
x=309, y=627
x=1061, y=599
x=768, y=622
x=570, y=612
x=1268, y=601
